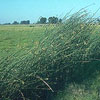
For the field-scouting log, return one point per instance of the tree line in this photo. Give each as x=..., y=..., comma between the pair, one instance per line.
x=42, y=20
x=51, y=20
x=16, y=22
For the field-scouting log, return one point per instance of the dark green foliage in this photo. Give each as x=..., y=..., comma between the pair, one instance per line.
x=68, y=53
x=6, y=24
x=60, y=20
x=53, y=20
x=43, y=20
x=98, y=21
x=15, y=23
x=25, y=22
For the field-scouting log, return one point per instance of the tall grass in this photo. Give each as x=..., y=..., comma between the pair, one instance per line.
x=68, y=53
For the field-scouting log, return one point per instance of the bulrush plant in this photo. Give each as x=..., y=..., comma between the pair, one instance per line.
x=67, y=53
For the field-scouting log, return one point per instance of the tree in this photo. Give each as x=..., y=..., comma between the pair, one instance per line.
x=60, y=20
x=53, y=20
x=15, y=23
x=25, y=22
x=7, y=24
x=42, y=20
x=98, y=20
x=28, y=22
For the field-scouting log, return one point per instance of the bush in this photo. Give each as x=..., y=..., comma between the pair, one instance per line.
x=68, y=53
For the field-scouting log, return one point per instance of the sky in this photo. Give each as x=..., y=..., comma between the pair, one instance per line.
x=18, y=10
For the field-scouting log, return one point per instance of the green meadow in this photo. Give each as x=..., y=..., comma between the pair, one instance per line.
x=17, y=37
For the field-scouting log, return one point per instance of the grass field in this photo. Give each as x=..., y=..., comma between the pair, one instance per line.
x=16, y=37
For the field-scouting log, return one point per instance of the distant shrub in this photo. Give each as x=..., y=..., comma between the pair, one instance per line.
x=31, y=26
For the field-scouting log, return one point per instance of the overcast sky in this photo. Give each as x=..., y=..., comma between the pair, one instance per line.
x=17, y=10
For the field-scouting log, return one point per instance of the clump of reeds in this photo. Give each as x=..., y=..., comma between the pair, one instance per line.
x=67, y=53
